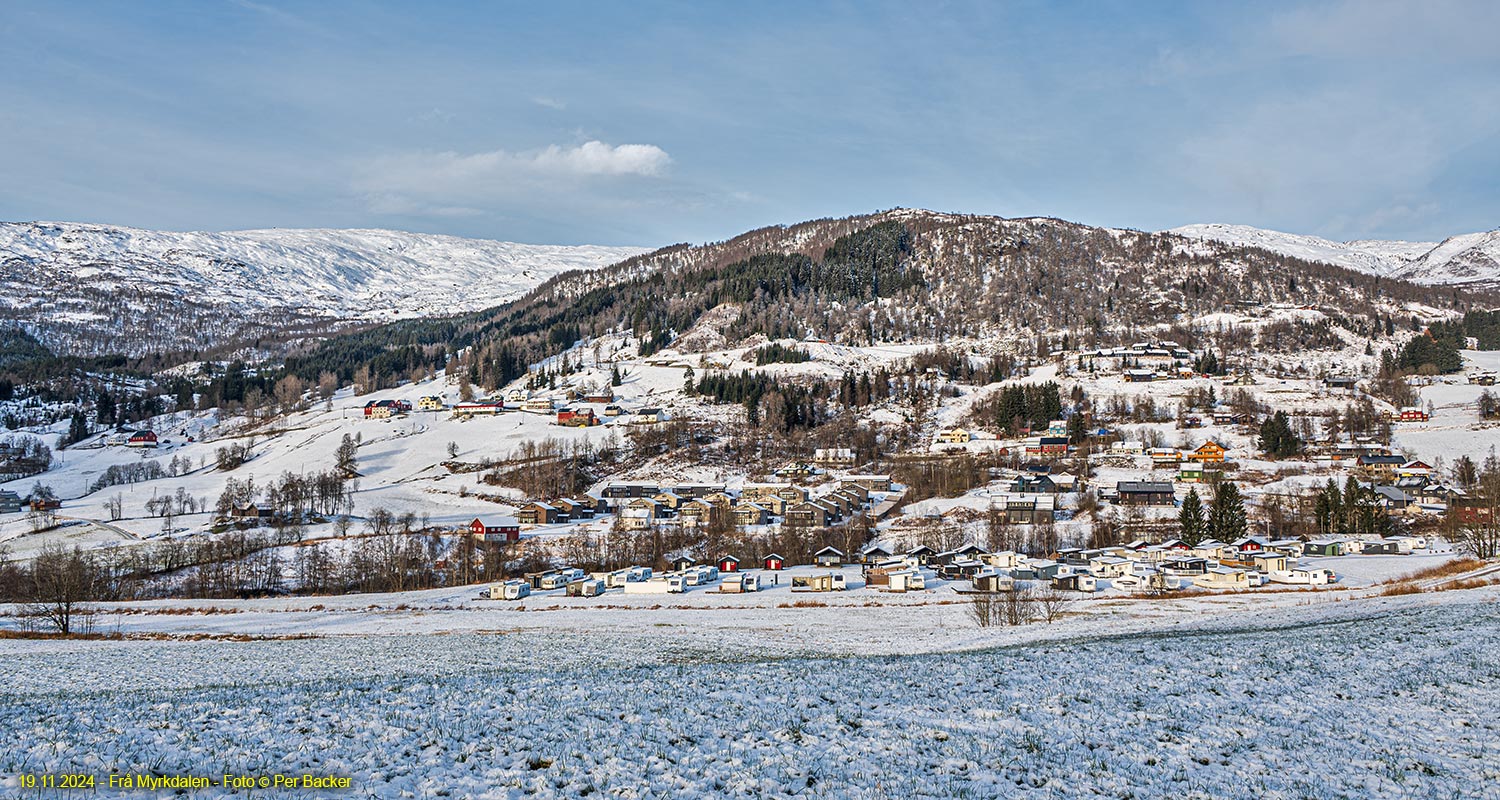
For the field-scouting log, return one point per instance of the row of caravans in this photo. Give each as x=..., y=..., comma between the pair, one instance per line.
x=639, y=580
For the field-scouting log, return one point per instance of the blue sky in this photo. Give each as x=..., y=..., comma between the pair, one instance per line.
x=648, y=123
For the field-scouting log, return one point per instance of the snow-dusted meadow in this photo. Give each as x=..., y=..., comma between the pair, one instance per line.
x=1392, y=697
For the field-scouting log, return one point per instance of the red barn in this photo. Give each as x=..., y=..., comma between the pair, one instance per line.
x=1413, y=414
x=503, y=530
x=774, y=561
x=729, y=564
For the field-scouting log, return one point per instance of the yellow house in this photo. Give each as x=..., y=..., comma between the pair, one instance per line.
x=954, y=436
x=1209, y=452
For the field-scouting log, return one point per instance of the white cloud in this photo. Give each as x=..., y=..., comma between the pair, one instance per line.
x=598, y=158
x=450, y=181
x=418, y=170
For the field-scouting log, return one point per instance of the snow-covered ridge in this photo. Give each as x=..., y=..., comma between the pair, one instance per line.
x=349, y=274
x=1472, y=258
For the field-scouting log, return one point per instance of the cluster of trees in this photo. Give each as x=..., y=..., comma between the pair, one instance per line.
x=1432, y=351
x=781, y=405
x=23, y=456
x=1209, y=364
x=233, y=455
x=1014, y=407
x=1487, y=405
x=1224, y=519
x=291, y=498
x=778, y=353
x=1354, y=509
x=1483, y=326
x=552, y=468
x=959, y=366
x=134, y=472
x=1026, y=604
x=857, y=390
x=1276, y=437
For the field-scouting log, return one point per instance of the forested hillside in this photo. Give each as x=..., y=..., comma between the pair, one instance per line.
x=897, y=276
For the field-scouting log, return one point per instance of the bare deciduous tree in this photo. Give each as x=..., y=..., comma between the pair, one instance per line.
x=61, y=581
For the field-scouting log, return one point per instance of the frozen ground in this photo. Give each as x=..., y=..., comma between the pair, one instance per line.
x=1385, y=697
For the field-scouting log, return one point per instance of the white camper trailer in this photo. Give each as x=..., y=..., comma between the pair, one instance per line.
x=515, y=590
x=740, y=582
x=587, y=587
x=670, y=584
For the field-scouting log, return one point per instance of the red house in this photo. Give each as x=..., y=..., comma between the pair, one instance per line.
x=141, y=439
x=729, y=564
x=581, y=418
x=774, y=562
x=1413, y=414
x=1473, y=511
x=504, y=529
x=385, y=409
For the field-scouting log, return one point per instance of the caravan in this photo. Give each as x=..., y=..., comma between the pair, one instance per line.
x=670, y=584
x=511, y=590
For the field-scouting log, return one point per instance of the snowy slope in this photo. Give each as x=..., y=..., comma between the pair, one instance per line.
x=70, y=282
x=1372, y=256
x=348, y=273
x=1472, y=258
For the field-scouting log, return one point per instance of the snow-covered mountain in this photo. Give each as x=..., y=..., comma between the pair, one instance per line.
x=67, y=282
x=1468, y=259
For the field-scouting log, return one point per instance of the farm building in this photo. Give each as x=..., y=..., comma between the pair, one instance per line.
x=500, y=529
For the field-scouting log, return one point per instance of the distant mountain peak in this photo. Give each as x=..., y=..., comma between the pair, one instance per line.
x=1471, y=259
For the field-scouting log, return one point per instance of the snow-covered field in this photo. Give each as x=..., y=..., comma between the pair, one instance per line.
x=1385, y=697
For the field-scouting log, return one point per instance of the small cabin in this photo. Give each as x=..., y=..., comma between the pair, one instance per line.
x=829, y=556
x=993, y=581
x=773, y=562
x=729, y=564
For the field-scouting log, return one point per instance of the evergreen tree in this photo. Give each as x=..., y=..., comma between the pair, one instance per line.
x=346, y=458
x=1226, y=517
x=78, y=429
x=1276, y=437
x=105, y=408
x=1077, y=431
x=1190, y=519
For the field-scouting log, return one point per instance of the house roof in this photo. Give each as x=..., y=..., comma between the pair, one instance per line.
x=1393, y=494
x=1136, y=487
